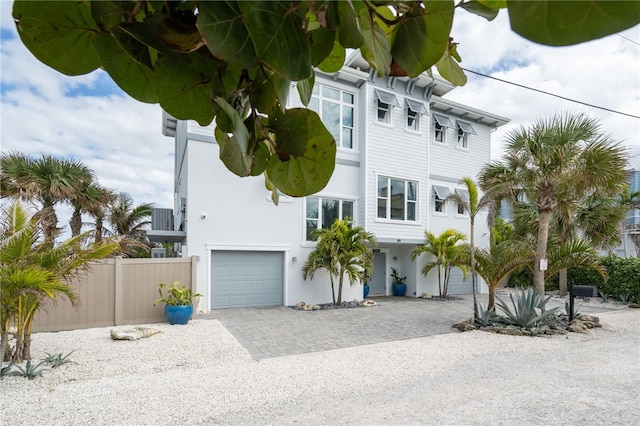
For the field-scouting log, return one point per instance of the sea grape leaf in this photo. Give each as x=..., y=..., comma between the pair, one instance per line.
x=448, y=67
x=277, y=35
x=480, y=9
x=59, y=34
x=305, y=89
x=348, y=33
x=131, y=76
x=183, y=84
x=300, y=172
x=375, y=49
x=234, y=151
x=224, y=31
x=563, y=23
x=422, y=36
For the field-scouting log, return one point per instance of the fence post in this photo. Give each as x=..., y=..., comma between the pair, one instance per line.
x=194, y=269
x=118, y=291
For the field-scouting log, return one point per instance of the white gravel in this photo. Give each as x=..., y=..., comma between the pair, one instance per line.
x=199, y=374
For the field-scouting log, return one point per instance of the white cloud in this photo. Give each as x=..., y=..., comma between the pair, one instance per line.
x=604, y=72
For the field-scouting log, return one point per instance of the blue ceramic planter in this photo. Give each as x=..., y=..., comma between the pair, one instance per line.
x=178, y=314
x=365, y=290
x=399, y=289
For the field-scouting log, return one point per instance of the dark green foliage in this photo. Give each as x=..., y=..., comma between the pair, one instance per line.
x=528, y=309
x=623, y=282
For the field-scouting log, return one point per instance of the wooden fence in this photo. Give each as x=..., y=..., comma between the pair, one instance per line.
x=116, y=292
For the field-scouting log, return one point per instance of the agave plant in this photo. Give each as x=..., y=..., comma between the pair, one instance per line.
x=485, y=317
x=30, y=370
x=528, y=309
x=56, y=360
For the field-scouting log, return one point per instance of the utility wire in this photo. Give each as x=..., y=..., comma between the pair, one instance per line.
x=628, y=39
x=551, y=94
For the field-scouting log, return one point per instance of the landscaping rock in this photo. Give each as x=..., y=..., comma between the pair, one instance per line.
x=465, y=326
x=577, y=327
x=134, y=334
x=634, y=305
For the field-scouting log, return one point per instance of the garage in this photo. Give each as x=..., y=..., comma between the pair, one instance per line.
x=246, y=278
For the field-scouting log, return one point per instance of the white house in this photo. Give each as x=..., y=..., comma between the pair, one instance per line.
x=402, y=148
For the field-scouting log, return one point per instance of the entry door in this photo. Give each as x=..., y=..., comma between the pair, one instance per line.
x=378, y=281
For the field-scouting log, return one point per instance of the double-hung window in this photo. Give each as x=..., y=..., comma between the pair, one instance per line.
x=440, y=194
x=322, y=212
x=336, y=109
x=414, y=110
x=440, y=125
x=385, y=102
x=464, y=130
x=397, y=199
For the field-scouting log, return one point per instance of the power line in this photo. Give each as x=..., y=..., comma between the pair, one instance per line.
x=628, y=39
x=551, y=94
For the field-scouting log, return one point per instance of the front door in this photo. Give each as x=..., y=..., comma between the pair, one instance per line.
x=378, y=281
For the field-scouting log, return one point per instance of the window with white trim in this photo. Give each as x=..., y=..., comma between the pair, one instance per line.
x=440, y=125
x=440, y=194
x=464, y=194
x=464, y=130
x=336, y=109
x=322, y=212
x=414, y=110
x=385, y=102
x=397, y=199
x=413, y=120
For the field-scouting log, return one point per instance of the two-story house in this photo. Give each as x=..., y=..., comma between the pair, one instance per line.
x=402, y=149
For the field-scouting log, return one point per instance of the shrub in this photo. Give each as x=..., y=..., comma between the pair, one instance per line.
x=528, y=309
x=623, y=282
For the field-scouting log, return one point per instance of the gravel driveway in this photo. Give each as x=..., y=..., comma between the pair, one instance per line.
x=199, y=374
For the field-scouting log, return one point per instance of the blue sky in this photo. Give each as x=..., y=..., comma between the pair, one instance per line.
x=90, y=119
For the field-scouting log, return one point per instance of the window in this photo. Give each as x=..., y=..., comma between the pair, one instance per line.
x=440, y=194
x=464, y=194
x=464, y=129
x=397, y=199
x=336, y=109
x=441, y=123
x=414, y=109
x=385, y=102
x=322, y=212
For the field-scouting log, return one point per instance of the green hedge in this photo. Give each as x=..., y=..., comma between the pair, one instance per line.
x=623, y=282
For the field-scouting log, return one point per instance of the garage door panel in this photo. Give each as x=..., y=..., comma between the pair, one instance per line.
x=242, y=279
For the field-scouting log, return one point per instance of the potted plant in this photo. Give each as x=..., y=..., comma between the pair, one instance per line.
x=178, y=302
x=365, y=284
x=399, y=287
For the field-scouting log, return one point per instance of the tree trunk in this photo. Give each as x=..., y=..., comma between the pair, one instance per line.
x=333, y=291
x=492, y=297
x=98, y=234
x=474, y=276
x=49, y=223
x=75, y=223
x=440, y=280
x=562, y=282
x=340, y=286
x=541, y=250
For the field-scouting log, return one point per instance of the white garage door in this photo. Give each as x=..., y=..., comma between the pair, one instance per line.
x=457, y=283
x=246, y=278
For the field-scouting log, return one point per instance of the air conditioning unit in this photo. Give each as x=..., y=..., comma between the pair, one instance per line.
x=158, y=252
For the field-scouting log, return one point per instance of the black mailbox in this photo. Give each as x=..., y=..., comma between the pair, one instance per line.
x=584, y=290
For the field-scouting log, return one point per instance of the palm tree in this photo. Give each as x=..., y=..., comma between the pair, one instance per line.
x=47, y=180
x=498, y=261
x=473, y=205
x=129, y=222
x=89, y=198
x=557, y=161
x=33, y=271
x=448, y=252
x=100, y=212
x=341, y=250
